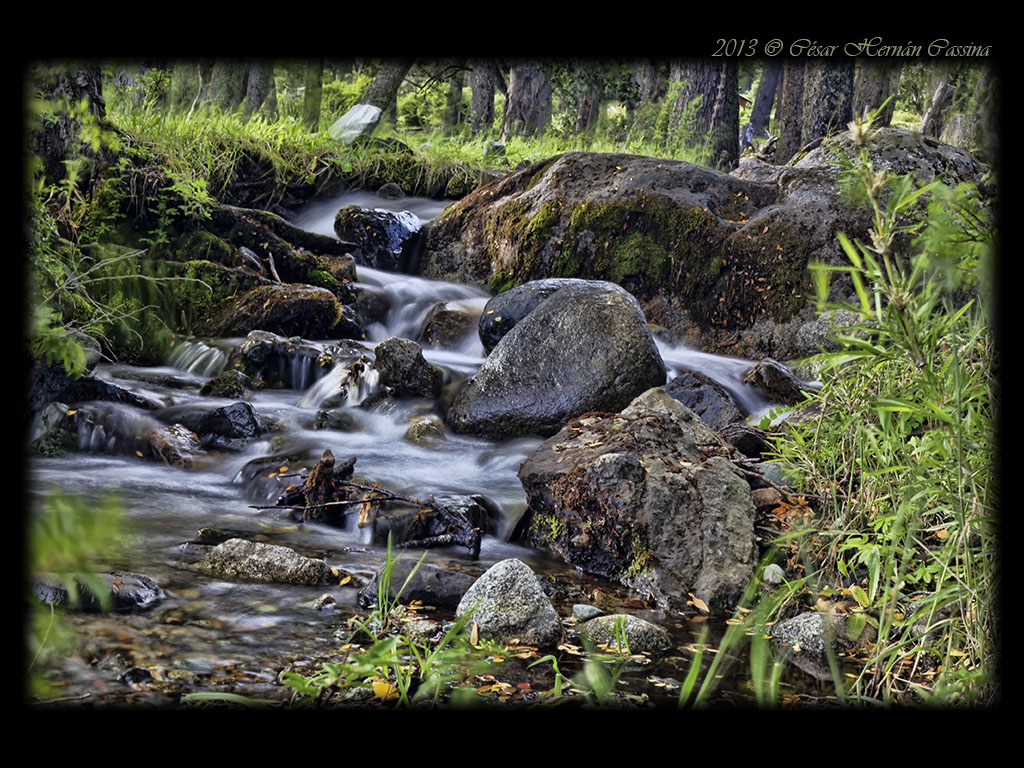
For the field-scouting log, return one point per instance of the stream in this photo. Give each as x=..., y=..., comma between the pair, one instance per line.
x=215, y=635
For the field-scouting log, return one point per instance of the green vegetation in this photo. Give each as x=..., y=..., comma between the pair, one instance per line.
x=898, y=462
x=68, y=538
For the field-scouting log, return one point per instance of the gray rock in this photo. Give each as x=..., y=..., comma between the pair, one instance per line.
x=360, y=120
x=402, y=367
x=508, y=603
x=383, y=239
x=128, y=591
x=585, y=348
x=704, y=397
x=253, y=561
x=502, y=312
x=430, y=584
x=641, y=635
x=582, y=612
x=648, y=497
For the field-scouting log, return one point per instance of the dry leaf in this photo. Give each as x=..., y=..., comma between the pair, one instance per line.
x=384, y=690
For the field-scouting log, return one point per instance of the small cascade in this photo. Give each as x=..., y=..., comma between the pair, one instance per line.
x=113, y=428
x=727, y=372
x=198, y=357
x=345, y=385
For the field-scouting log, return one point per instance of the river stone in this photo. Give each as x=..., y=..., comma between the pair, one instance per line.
x=704, y=397
x=444, y=327
x=776, y=381
x=383, y=239
x=287, y=310
x=586, y=348
x=49, y=383
x=402, y=367
x=809, y=637
x=293, y=362
x=503, y=311
x=583, y=612
x=430, y=584
x=229, y=383
x=508, y=604
x=128, y=591
x=253, y=561
x=641, y=635
x=648, y=497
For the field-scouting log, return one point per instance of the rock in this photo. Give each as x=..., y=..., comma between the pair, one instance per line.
x=430, y=584
x=229, y=383
x=773, y=574
x=128, y=591
x=404, y=522
x=349, y=325
x=809, y=637
x=402, y=367
x=360, y=120
x=294, y=362
x=288, y=310
x=221, y=426
x=704, y=397
x=776, y=381
x=585, y=348
x=384, y=239
x=50, y=433
x=370, y=303
x=749, y=441
x=253, y=561
x=446, y=328
x=426, y=430
x=49, y=383
x=508, y=604
x=733, y=249
x=582, y=612
x=641, y=635
x=502, y=312
x=647, y=497
x=391, y=191
x=175, y=445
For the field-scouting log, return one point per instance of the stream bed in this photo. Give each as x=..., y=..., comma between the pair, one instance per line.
x=211, y=635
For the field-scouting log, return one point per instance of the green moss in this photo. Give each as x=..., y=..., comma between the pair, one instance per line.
x=204, y=246
x=323, y=279
x=547, y=527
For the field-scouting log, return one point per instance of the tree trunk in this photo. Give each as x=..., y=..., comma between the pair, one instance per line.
x=700, y=78
x=876, y=81
x=828, y=99
x=528, y=108
x=313, y=96
x=651, y=79
x=724, y=132
x=482, y=82
x=190, y=83
x=931, y=124
x=986, y=106
x=383, y=91
x=589, y=103
x=228, y=84
x=453, y=104
x=261, y=91
x=790, y=113
x=765, y=97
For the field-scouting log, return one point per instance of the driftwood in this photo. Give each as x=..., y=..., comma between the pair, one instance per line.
x=326, y=492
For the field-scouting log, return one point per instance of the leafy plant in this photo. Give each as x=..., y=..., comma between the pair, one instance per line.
x=900, y=454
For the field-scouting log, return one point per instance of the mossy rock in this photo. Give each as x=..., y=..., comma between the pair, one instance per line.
x=287, y=310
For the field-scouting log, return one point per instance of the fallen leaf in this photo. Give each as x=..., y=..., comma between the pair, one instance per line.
x=384, y=690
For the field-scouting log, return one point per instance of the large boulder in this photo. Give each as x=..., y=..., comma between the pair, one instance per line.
x=502, y=312
x=648, y=497
x=244, y=560
x=730, y=250
x=584, y=348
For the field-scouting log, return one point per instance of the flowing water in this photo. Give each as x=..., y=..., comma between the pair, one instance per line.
x=211, y=634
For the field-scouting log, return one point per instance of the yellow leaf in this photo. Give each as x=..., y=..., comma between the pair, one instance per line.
x=384, y=690
x=139, y=454
x=474, y=634
x=72, y=413
x=344, y=581
x=699, y=604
